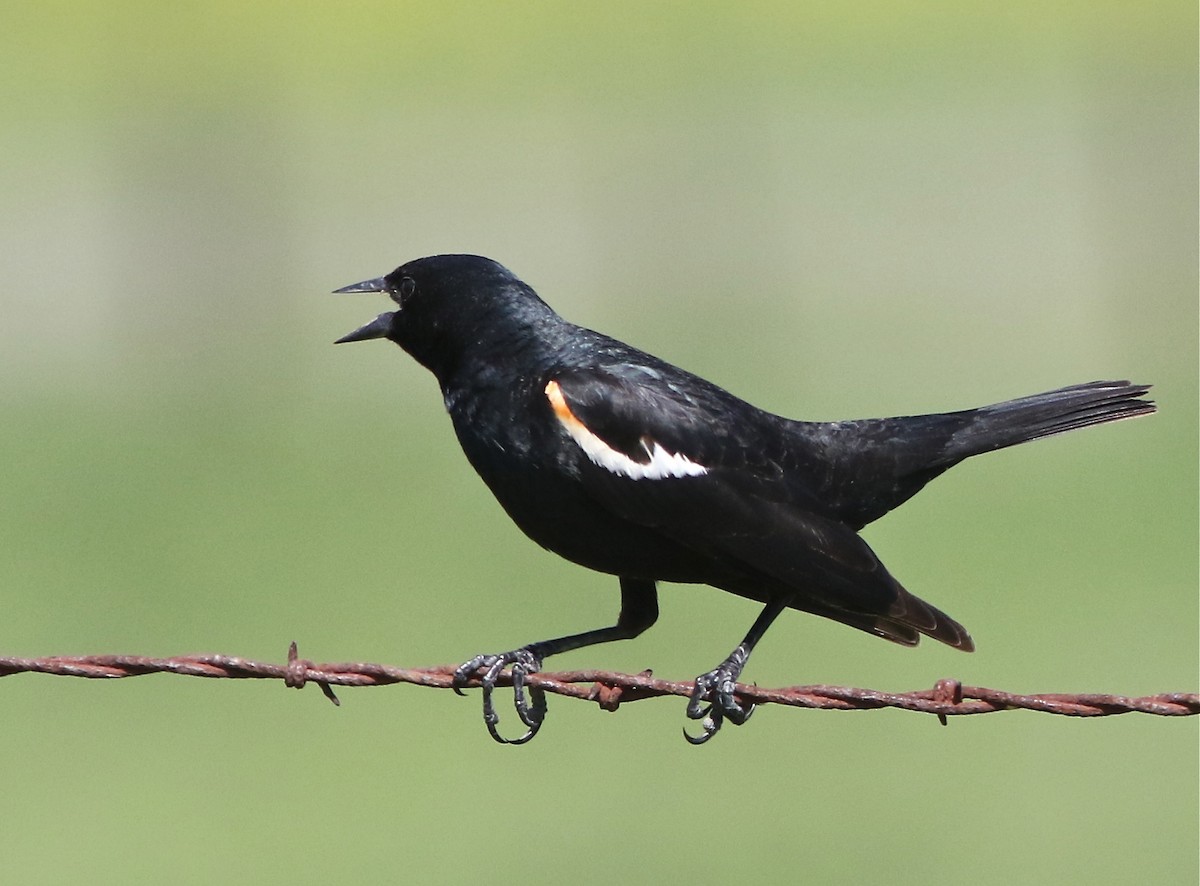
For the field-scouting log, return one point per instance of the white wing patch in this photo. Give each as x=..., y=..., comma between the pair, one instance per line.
x=662, y=463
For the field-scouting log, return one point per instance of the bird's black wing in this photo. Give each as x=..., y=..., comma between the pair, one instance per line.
x=698, y=466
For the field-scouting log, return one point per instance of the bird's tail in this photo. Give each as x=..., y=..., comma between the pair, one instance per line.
x=1041, y=415
x=927, y=445
x=884, y=462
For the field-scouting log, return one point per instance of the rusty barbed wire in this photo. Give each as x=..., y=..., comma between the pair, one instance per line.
x=948, y=698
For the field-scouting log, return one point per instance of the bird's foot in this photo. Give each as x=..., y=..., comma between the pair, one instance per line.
x=531, y=710
x=713, y=699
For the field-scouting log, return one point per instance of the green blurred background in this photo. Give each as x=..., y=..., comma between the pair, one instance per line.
x=835, y=210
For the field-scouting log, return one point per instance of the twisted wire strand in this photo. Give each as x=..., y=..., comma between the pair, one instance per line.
x=608, y=689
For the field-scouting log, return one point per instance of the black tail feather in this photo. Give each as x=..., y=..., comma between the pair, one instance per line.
x=883, y=462
x=1041, y=415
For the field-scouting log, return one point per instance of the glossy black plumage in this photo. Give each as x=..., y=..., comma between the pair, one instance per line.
x=628, y=465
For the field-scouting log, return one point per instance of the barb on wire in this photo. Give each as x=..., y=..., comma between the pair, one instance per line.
x=608, y=689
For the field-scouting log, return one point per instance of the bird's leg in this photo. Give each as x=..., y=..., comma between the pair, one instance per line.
x=717, y=686
x=639, y=610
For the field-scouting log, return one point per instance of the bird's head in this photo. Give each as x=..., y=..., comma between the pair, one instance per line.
x=448, y=305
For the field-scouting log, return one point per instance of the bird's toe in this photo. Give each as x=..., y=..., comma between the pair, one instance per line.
x=714, y=700
x=530, y=708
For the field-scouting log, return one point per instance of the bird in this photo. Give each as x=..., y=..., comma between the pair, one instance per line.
x=628, y=465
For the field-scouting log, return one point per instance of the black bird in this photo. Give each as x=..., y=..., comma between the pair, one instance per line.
x=623, y=463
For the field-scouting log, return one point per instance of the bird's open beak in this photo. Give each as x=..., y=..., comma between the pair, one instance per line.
x=377, y=328
x=379, y=284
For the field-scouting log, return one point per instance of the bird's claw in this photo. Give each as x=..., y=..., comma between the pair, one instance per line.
x=713, y=701
x=531, y=710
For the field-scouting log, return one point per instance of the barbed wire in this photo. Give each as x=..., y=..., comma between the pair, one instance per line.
x=948, y=698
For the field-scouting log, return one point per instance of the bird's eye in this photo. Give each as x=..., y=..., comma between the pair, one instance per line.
x=407, y=287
